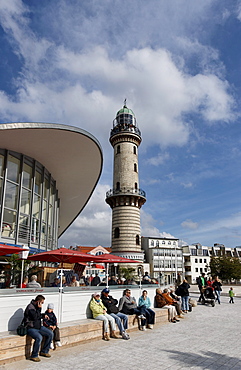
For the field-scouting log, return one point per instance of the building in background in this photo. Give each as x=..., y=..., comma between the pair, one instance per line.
x=196, y=261
x=47, y=175
x=165, y=258
x=126, y=198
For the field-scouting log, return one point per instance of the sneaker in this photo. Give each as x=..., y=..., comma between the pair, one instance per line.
x=141, y=317
x=143, y=328
x=150, y=326
x=125, y=336
x=51, y=345
x=58, y=344
x=35, y=359
x=44, y=354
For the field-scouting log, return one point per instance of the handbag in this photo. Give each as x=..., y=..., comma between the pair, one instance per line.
x=22, y=329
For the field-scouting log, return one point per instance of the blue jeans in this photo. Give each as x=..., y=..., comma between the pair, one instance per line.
x=185, y=305
x=119, y=317
x=37, y=335
x=150, y=316
x=218, y=295
x=140, y=310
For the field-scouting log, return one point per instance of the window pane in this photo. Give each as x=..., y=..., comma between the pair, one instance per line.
x=43, y=234
x=23, y=227
x=46, y=188
x=11, y=196
x=44, y=211
x=13, y=168
x=50, y=215
x=38, y=177
x=36, y=206
x=27, y=176
x=9, y=223
x=35, y=231
x=25, y=201
x=52, y=196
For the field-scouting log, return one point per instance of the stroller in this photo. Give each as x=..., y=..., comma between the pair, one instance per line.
x=209, y=297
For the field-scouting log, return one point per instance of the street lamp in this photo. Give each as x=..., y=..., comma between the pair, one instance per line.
x=23, y=256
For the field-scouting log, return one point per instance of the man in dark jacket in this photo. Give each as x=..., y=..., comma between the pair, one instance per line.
x=202, y=283
x=96, y=280
x=32, y=319
x=110, y=303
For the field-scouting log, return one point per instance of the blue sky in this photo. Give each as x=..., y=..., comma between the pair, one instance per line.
x=177, y=62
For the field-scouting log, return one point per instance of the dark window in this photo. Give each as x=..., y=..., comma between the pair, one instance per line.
x=117, y=232
x=135, y=185
x=135, y=167
x=134, y=149
x=117, y=186
x=137, y=240
x=118, y=149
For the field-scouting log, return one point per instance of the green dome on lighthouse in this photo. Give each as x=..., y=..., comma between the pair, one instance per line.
x=125, y=110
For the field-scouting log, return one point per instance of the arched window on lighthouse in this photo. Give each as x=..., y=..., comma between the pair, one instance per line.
x=134, y=149
x=117, y=233
x=135, y=167
x=137, y=240
x=118, y=186
x=135, y=185
x=118, y=149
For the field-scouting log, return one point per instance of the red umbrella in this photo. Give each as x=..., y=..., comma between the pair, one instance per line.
x=8, y=249
x=111, y=258
x=64, y=255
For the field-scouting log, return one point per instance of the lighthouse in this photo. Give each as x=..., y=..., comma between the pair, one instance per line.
x=126, y=198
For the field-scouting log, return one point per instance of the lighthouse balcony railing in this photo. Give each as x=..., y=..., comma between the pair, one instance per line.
x=125, y=128
x=126, y=191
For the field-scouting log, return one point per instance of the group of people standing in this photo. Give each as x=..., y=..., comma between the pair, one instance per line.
x=215, y=284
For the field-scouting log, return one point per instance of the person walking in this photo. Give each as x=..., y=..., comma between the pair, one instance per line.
x=217, y=288
x=202, y=283
x=231, y=295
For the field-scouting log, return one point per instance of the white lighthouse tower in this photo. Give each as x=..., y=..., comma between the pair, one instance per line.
x=126, y=198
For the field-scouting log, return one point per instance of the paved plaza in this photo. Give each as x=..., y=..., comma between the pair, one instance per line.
x=208, y=338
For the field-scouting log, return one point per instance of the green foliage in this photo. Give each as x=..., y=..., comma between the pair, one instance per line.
x=127, y=272
x=225, y=267
x=13, y=270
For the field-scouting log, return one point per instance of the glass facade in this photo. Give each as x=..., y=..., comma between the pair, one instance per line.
x=29, y=206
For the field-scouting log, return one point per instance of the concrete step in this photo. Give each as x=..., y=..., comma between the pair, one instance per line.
x=14, y=348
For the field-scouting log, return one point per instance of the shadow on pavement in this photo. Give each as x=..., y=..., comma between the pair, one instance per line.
x=209, y=360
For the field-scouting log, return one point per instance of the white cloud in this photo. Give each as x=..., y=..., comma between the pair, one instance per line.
x=189, y=224
x=93, y=226
x=187, y=185
x=159, y=159
x=148, y=228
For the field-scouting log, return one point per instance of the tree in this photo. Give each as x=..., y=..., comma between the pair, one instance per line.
x=225, y=267
x=12, y=271
x=127, y=272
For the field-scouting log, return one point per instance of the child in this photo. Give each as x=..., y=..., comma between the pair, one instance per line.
x=51, y=323
x=231, y=295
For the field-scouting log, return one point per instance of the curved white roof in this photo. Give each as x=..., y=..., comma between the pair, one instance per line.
x=72, y=156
